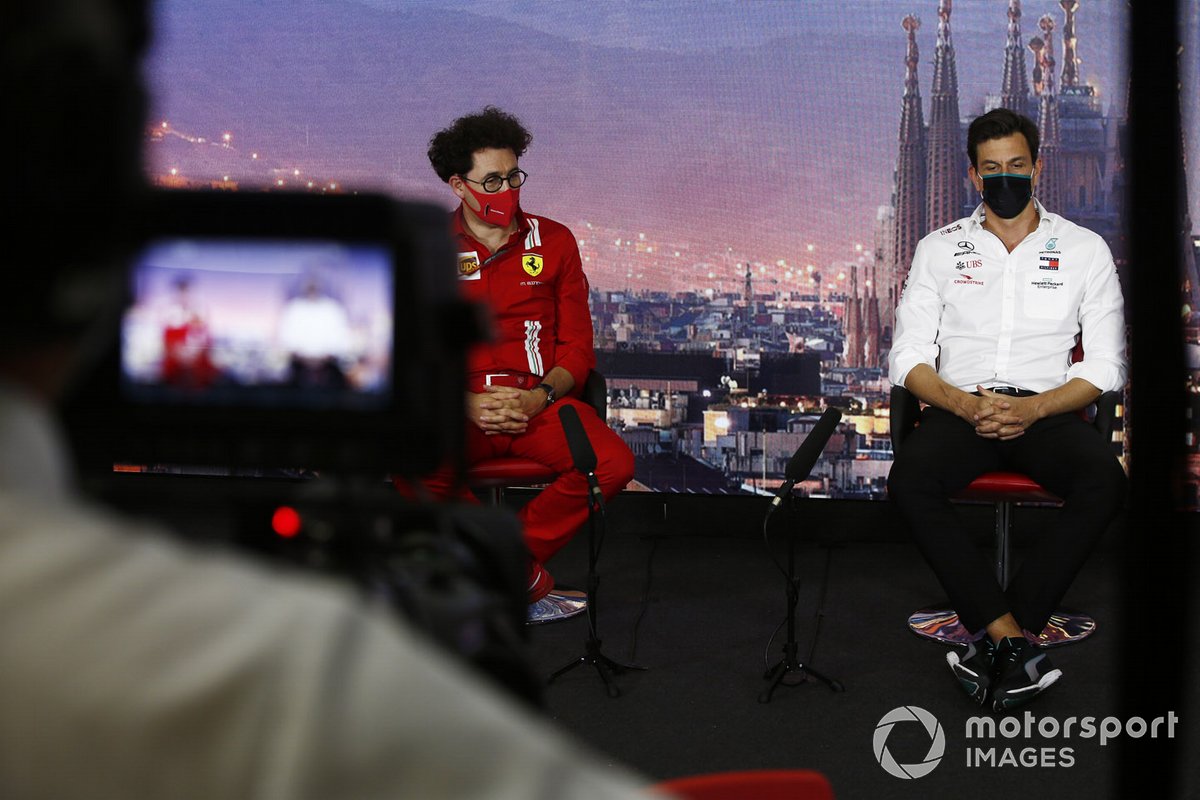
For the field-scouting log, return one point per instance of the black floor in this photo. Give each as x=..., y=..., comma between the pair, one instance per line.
x=714, y=600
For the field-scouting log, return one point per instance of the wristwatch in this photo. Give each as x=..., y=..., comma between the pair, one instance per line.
x=550, y=394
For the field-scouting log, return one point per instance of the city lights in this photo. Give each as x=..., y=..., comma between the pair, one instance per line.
x=675, y=279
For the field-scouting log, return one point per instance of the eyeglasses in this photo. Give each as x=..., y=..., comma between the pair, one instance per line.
x=494, y=183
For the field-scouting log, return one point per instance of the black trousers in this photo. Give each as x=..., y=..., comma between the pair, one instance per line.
x=1063, y=453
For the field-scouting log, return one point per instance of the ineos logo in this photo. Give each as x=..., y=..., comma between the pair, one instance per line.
x=937, y=742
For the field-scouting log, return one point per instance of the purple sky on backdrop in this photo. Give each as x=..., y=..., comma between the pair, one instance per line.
x=762, y=125
x=238, y=298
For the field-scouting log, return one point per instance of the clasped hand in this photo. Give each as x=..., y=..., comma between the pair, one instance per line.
x=503, y=409
x=999, y=416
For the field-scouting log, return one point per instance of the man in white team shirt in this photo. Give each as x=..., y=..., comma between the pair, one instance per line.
x=992, y=307
x=314, y=331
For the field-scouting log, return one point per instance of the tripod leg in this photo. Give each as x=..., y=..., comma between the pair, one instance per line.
x=617, y=667
x=777, y=672
x=835, y=685
x=610, y=687
x=566, y=668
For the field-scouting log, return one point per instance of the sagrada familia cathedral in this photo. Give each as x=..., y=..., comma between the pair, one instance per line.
x=1082, y=172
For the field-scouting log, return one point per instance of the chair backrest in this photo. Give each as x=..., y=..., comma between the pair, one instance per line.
x=595, y=393
x=781, y=784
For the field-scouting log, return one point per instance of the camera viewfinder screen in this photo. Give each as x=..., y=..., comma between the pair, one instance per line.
x=266, y=324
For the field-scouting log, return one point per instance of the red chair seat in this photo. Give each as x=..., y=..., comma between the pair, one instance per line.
x=509, y=471
x=1006, y=487
x=786, y=784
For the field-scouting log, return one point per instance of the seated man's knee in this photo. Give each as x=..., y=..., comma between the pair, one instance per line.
x=614, y=459
x=904, y=479
x=618, y=464
x=1108, y=484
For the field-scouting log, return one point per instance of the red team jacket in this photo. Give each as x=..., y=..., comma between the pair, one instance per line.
x=538, y=295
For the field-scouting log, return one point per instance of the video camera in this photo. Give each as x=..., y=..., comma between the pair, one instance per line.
x=296, y=351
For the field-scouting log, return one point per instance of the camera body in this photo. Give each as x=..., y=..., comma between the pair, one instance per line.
x=281, y=330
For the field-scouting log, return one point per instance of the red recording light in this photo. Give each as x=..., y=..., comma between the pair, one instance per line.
x=286, y=522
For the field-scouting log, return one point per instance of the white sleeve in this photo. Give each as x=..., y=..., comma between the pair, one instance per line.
x=1102, y=321
x=917, y=318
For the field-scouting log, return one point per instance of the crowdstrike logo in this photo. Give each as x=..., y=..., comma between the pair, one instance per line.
x=937, y=742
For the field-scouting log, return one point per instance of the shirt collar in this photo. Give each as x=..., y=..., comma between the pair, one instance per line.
x=1046, y=218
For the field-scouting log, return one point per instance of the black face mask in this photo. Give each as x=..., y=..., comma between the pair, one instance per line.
x=1007, y=194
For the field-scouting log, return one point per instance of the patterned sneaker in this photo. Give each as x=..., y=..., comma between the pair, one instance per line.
x=973, y=668
x=1022, y=673
x=558, y=605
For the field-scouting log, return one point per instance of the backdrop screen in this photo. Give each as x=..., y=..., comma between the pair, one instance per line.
x=738, y=175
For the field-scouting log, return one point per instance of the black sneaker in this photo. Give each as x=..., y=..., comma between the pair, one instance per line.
x=973, y=668
x=1022, y=673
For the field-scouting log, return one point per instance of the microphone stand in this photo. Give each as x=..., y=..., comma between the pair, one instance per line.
x=592, y=654
x=790, y=663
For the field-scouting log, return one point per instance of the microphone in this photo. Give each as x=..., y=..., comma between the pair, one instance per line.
x=806, y=455
x=582, y=453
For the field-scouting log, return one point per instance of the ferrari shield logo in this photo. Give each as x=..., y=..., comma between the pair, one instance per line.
x=532, y=264
x=468, y=263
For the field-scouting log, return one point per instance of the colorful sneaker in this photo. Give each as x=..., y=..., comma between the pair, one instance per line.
x=558, y=605
x=973, y=668
x=1022, y=673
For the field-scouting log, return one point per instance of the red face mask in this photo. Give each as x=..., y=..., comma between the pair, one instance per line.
x=495, y=209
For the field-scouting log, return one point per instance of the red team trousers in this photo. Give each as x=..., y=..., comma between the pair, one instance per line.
x=553, y=516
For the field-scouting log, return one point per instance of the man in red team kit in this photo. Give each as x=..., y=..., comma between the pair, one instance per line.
x=527, y=270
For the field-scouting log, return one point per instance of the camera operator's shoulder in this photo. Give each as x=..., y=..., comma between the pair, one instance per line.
x=74, y=543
